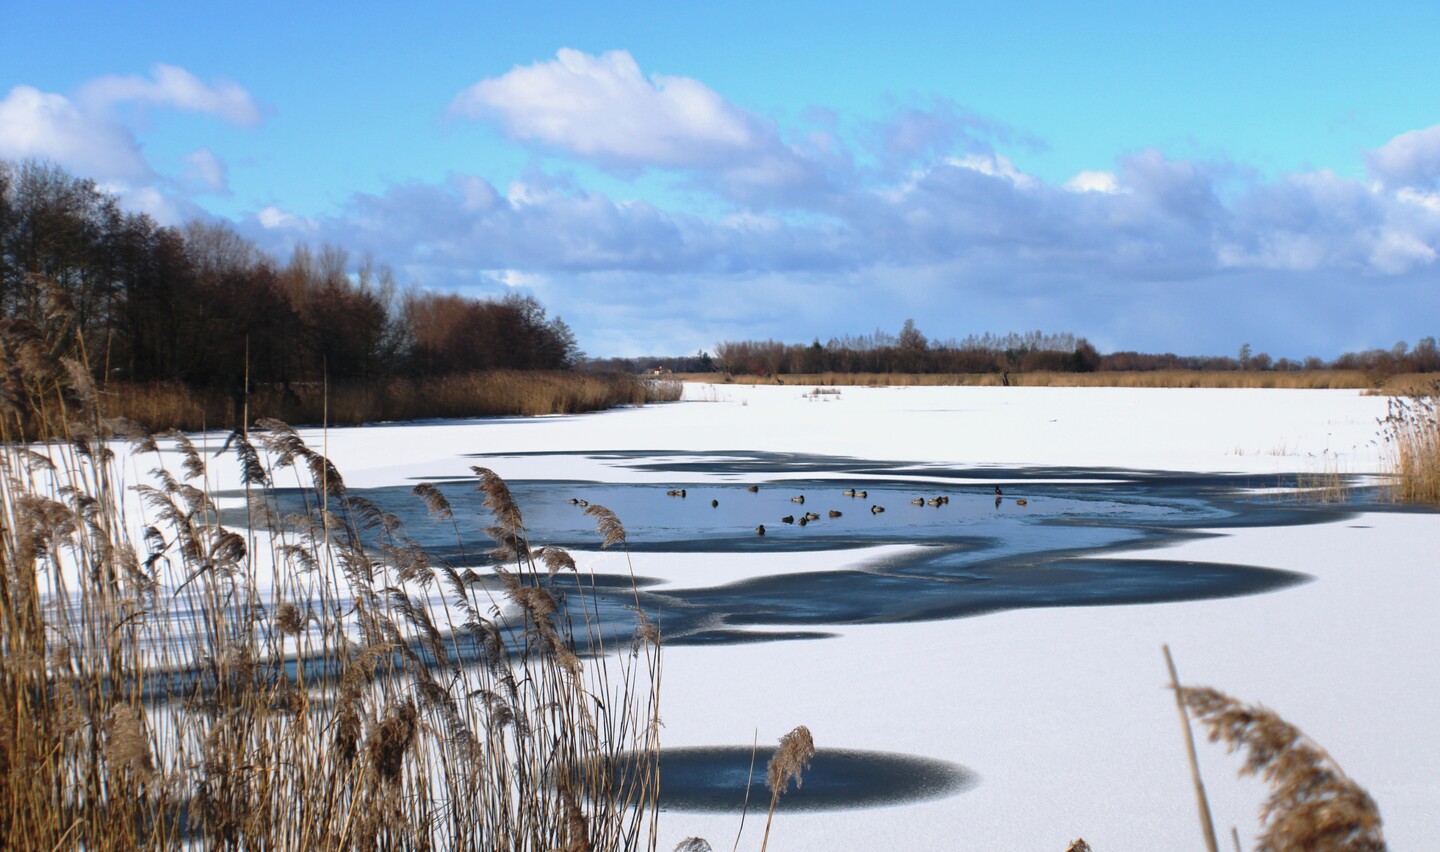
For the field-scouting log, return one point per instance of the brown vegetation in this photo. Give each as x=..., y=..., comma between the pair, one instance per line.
x=1313, y=804
x=153, y=695
x=486, y=394
x=1412, y=439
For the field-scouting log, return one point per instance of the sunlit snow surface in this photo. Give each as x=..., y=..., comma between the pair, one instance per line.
x=964, y=637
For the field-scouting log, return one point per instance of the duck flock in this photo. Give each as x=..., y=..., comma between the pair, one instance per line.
x=811, y=517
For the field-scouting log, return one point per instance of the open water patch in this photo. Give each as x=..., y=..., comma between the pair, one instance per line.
x=999, y=539
x=716, y=779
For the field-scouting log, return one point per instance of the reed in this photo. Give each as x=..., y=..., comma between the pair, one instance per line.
x=309, y=679
x=1313, y=804
x=793, y=757
x=1411, y=431
x=495, y=393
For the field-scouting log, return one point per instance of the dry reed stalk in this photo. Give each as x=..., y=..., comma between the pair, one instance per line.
x=1313, y=804
x=1202, y=803
x=790, y=760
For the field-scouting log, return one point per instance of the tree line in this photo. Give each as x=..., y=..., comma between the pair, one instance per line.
x=202, y=305
x=911, y=351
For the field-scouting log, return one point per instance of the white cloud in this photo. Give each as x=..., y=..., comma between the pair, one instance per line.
x=604, y=109
x=206, y=172
x=1093, y=181
x=994, y=165
x=273, y=218
x=520, y=278
x=1411, y=159
x=89, y=136
x=1428, y=200
x=174, y=87
x=43, y=125
x=1395, y=252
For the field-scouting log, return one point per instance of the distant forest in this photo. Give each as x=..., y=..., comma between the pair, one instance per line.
x=203, y=306
x=911, y=351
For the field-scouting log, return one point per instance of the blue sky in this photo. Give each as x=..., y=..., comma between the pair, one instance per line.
x=664, y=176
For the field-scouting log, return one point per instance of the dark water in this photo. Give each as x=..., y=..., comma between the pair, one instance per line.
x=718, y=779
x=981, y=554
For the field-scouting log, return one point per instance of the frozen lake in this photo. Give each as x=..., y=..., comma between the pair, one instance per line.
x=1009, y=654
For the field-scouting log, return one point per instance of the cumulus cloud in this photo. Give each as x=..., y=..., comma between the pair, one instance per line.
x=88, y=134
x=176, y=88
x=1409, y=160
x=1093, y=181
x=604, y=109
x=44, y=125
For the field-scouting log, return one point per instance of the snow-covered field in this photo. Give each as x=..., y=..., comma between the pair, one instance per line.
x=1062, y=713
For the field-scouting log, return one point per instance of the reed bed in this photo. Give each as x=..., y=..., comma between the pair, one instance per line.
x=1306, y=379
x=313, y=680
x=488, y=394
x=1411, y=430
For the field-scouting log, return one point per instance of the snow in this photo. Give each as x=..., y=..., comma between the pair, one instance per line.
x=1062, y=713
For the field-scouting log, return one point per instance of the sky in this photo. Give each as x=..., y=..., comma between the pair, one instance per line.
x=665, y=176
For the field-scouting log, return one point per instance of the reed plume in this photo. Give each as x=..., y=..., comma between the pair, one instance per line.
x=1313, y=805
x=790, y=760
x=607, y=524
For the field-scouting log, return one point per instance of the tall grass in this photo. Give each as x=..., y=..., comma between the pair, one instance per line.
x=487, y=394
x=313, y=680
x=1412, y=440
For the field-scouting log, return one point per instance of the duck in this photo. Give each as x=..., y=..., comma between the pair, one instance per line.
x=862, y=494
x=998, y=492
x=1022, y=502
x=800, y=499
x=760, y=530
x=918, y=501
x=849, y=492
x=834, y=513
x=714, y=504
x=803, y=520
x=752, y=489
x=812, y=516
x=875, y=510
x=788, y=519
